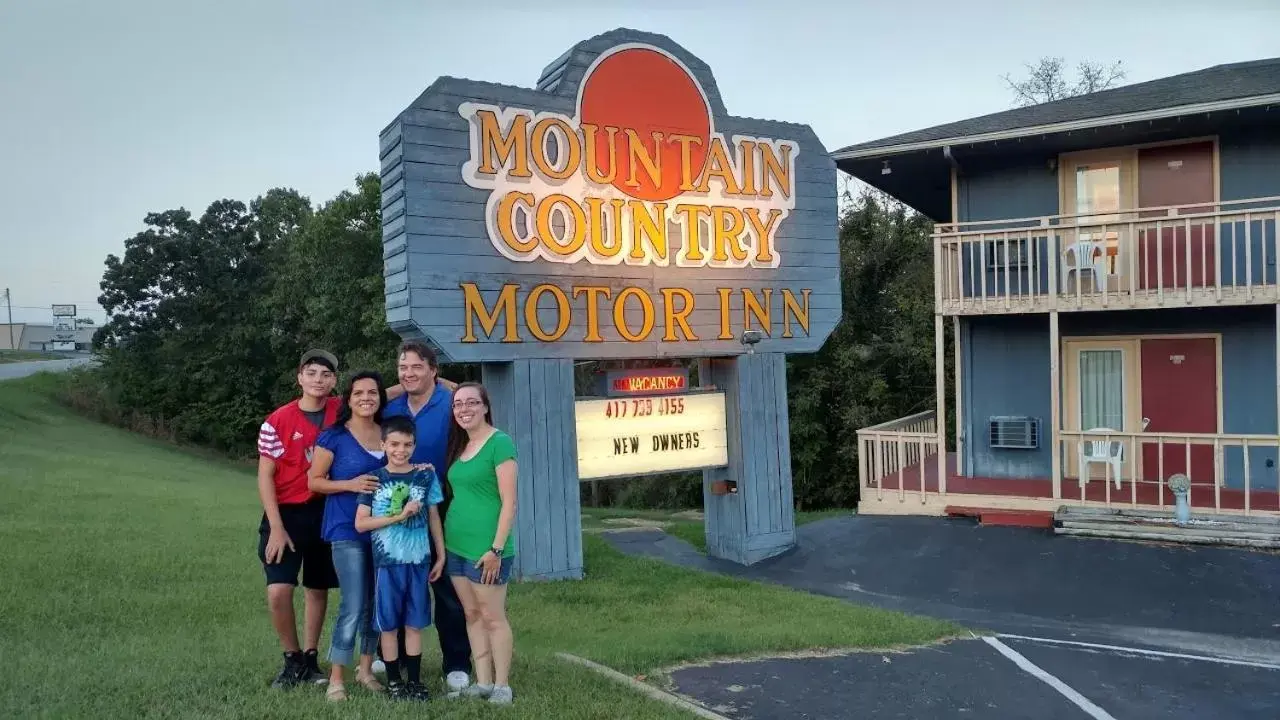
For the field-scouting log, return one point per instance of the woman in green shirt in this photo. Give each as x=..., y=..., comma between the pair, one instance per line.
x=481, y=489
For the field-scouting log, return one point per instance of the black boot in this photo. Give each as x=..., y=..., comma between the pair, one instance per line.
x=293, y=673
x=313, y=675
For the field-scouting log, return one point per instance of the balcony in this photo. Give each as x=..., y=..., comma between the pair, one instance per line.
x=900, y=472
x=896, y=450
x=1160, y=257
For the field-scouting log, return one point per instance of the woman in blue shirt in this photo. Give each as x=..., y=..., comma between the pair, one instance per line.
x=345, y=453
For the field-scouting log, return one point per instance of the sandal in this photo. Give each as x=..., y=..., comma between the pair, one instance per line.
x=336, y=693
x=370, y=683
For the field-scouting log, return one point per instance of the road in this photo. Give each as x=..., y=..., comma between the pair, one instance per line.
x=12, y=371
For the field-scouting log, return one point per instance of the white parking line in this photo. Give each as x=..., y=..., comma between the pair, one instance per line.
x=1079, y=700
x=1143, y=651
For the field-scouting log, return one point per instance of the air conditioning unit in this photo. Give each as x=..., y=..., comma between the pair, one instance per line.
x=1014, y=432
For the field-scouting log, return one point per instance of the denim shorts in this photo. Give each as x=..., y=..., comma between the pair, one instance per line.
x=457, y=566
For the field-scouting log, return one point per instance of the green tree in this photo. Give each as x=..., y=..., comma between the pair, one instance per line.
x=207, y=317
x=181, y=345
x=327, y=285
x=879, y=363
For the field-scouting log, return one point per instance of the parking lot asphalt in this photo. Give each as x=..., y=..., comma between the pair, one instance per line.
x=1089, y=628
x=1143, y=685
x=971, y=678
x=1205, y=600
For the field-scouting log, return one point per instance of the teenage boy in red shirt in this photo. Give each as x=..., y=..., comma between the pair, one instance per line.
x=289, y=535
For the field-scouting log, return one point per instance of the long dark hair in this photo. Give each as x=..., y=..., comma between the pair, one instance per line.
x=344, y=413
x=458, y=436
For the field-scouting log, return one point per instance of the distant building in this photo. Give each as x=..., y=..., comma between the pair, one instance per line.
x=29, y=336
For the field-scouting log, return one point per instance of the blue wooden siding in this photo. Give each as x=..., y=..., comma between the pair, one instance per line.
x=1025, y=187
x=1006, y=372
x=1005, y=365
x=1250, y=168
x=1018, y=188
x=532, y=401
x=1250, y=163
x=758, y=522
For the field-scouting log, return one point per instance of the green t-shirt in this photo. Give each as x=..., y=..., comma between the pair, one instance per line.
x=472, y=519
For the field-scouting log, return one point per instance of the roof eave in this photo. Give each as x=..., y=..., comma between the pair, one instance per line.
x=1084, y=124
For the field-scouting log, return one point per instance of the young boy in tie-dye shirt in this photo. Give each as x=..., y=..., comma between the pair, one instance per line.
x=402, y=554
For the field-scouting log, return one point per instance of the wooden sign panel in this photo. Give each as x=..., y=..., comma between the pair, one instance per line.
x=615, y=211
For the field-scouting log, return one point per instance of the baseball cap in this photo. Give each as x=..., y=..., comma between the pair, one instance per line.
x=317, y=354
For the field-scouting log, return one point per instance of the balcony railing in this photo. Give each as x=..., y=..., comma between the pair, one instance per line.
x=1183, y=255
x=1226, y=472
x=898, y=468
x=898, y=449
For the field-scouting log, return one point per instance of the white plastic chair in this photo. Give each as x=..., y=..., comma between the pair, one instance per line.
x=1105, y=452
x=1086, y=255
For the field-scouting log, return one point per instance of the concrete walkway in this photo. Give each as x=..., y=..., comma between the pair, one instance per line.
x=1107, y=629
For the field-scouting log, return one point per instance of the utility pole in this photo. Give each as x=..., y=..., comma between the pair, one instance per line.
x=8, y=302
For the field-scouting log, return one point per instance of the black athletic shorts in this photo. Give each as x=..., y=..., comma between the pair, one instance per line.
x=310, y=554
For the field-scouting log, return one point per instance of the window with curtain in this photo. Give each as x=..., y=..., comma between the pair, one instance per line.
x=1098, y=198
x=1101, y=389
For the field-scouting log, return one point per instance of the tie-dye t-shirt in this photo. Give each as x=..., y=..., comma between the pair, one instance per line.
x=407, y=542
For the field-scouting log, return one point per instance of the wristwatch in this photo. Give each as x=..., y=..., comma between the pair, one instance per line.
x=497, y=552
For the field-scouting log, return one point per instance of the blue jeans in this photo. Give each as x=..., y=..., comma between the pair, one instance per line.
x=354, y=563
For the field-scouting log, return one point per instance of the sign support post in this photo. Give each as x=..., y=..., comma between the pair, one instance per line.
x=748, y=505
x=533, y=403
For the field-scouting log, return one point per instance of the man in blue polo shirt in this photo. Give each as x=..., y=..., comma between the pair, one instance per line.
x=429, y=402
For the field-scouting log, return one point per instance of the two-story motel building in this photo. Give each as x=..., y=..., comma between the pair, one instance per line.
x=1108, y=264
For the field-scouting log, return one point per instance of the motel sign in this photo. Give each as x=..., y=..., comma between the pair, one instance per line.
x=617, y=211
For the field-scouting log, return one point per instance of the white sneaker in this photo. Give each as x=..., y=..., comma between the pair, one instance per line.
x=501, y=695
x=457, y=681
x=379, y=667
x=476, y=691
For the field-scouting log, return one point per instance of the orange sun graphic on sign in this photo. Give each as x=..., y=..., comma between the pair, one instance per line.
x=648, y=92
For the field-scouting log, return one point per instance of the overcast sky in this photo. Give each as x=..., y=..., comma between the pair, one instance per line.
x=110, y=110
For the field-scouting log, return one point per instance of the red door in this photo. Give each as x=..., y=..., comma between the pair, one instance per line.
x=1179, y=394
x=1177, y=175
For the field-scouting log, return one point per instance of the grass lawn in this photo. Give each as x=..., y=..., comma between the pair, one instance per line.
x=131, y=589
x=16, y=356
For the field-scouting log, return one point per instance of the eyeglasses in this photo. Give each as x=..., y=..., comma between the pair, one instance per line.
x=467, y=403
